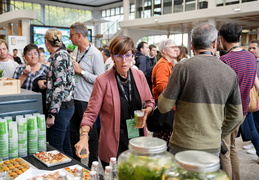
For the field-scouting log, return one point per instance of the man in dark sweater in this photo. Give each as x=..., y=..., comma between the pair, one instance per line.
x=206, y=94
x=143, y=61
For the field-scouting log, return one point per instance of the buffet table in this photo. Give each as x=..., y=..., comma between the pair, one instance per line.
x=39, y=165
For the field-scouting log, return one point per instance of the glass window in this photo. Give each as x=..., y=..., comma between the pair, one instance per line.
x=51, y=14
x=147, y=9
x=243, y=1
x=117, y=10
x=27, y=5
x=108, y=12
x=132, y=8
x=230, y=2
x=178, y=6
x=103, y=13
x=112, y=12
x=37, y=10
x=16, y=5
x=220, y=2
x=167, y=7
x=139, y=9
x=190, y=5
x=203, y=4
x=59, y=18
x=132, y=12
x=157, y=8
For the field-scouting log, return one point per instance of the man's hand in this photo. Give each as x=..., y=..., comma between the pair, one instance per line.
x=41, y=84
x=77, y=68
x=50, y=121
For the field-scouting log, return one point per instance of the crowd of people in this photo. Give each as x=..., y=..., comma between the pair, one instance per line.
x=89, y=100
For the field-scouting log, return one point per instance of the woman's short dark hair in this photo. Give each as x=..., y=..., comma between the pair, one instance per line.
x=121, y=45
x=30, y=47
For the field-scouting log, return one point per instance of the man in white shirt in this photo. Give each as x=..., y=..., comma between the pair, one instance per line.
x=88, y=65
x=6, y=64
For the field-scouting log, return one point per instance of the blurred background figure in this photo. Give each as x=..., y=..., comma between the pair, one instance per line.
x=6, y=64
x=153, y=54
x=108, y=62
x=42, y=58
x=143, y=61
x=183, y=53
x=220, y=50
x=15, y=57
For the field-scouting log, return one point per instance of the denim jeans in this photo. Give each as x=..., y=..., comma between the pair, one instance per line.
x=256, y=120
x=254, y=132
x=58, y=135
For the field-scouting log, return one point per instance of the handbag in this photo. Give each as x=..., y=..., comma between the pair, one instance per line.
x=158, y=121
x=254, y=100
x=223, y=148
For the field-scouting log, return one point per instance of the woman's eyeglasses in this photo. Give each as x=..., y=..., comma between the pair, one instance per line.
x=119, y=57
x=30, y=54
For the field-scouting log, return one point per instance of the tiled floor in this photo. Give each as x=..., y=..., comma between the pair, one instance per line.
x=249, y=169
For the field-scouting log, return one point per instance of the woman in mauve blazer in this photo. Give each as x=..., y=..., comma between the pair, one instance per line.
x=108, y=100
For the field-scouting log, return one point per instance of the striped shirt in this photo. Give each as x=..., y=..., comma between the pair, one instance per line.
x=43, y=71
x=244, y=64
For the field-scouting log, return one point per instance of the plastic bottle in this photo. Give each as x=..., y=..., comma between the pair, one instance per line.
x=108, y=173
x=113, y=164
x=62, y=176
x=79, y=171
x=93, y=175
x=95, y=167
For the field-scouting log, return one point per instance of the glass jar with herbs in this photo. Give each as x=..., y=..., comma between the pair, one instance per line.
x=195, y=165
x=146, y=159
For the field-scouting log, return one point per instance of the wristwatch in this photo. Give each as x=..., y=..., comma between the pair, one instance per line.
x=50, y=116
x=82, y=72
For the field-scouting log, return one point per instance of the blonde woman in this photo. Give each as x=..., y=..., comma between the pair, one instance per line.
x=59, y=92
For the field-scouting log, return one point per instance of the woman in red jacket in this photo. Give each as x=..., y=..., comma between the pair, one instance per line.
x=116, y=94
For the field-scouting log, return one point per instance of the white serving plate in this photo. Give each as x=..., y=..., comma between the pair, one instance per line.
x=35, y=173
x=66, y=160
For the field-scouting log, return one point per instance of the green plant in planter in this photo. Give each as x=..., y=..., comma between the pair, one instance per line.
x=1, y=72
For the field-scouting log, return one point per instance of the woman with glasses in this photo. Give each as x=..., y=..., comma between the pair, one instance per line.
x=32, y=69
x=160, y=77
x=116, y=94
x=59, y=92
